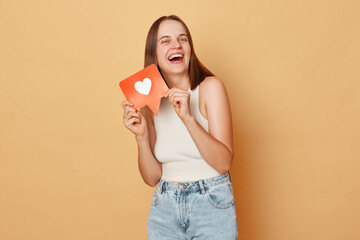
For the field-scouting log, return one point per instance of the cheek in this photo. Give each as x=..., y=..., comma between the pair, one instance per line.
x=188, y=49
x=161, y=55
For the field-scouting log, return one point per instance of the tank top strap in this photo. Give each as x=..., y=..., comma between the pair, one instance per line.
x=195, y=108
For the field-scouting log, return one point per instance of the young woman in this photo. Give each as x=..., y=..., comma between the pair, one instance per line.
x=187, y=149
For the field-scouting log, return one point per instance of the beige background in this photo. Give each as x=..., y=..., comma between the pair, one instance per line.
x=68, y=167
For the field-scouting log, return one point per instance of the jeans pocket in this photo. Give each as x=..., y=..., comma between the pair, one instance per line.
x=155, y=198
x=221, y=196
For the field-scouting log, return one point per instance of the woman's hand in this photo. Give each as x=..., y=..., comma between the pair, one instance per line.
x=180, y=99
x=134, y=120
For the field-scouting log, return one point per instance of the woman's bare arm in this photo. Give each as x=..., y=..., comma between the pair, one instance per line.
x=142, y=125
x=149, y=167
x=216, y=147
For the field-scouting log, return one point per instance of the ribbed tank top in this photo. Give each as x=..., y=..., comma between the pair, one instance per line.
x=174, y=147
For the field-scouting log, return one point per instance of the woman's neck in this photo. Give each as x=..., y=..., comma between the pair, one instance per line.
x=182, y=82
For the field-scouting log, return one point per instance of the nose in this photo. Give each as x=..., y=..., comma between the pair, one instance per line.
x=176, y=44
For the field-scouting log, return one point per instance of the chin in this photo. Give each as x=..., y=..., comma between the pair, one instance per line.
x=173, y=70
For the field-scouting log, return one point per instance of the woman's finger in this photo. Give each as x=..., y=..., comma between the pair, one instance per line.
x=128, y=109
x=131, y=121
x=175, y=90
x=168, y=92
x=180, y=94
x=175, y=95
x=178, y=101
x=132, y=126
x=126, y=103
x=131, y=115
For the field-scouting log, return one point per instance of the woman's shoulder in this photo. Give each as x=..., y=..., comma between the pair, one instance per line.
x=212, y=94
x=212, y=83
x=210, y=80
x=212, y=88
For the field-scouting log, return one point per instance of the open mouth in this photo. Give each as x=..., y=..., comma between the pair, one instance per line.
x=176, y=58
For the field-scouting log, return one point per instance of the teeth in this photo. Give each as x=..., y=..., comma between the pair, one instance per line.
x=175, y=55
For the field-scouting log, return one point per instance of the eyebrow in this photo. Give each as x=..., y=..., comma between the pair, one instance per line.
x=183, y=34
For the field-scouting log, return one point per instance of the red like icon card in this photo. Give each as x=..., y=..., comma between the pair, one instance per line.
x=145, y=87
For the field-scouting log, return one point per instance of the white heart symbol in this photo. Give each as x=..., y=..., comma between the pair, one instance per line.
x=143, y=86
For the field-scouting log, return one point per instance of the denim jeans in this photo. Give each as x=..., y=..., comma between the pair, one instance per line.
x=201, y=210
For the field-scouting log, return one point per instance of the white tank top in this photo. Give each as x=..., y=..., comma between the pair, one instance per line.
x=174, y=147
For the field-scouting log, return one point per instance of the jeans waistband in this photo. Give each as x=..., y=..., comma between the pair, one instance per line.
x=195, y=186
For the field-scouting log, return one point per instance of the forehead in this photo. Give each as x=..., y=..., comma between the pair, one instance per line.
x=170, y=28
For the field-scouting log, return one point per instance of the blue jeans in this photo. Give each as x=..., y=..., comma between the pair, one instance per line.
x=201, y=210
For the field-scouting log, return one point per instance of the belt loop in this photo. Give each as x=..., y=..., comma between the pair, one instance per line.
x=229, y=176
x=161, y=184
x=202, y=187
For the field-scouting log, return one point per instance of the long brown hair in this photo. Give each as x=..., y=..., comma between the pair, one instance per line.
x=197, y=71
